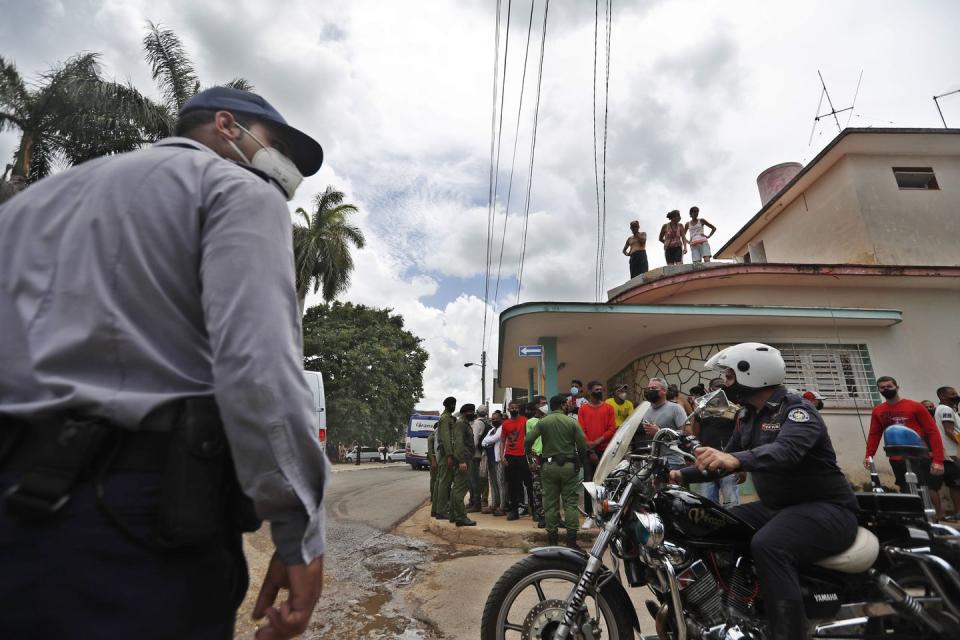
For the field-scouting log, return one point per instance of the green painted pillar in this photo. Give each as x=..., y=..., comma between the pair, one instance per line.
x=531, y=389
x=549, y=365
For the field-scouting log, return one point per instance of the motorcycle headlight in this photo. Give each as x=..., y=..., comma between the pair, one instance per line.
x=647, y=530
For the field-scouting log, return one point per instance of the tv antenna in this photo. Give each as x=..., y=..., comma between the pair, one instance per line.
x=935, y=101
x=833, y=110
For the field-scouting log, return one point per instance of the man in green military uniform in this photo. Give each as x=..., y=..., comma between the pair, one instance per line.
x=563, y=447
x=463, y=448
x=432, y=459
x=444, y=446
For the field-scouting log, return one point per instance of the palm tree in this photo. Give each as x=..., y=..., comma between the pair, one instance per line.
x=173, y=71
x=72, y=115
x=321, y=248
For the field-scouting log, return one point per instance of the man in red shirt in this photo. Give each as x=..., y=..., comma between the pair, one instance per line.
x=909, y=413
x=599, y=423
x=514, y=458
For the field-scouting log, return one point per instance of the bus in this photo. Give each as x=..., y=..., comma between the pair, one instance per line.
x=418, y=430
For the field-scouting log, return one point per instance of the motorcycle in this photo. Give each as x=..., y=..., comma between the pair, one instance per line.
x=897, y=580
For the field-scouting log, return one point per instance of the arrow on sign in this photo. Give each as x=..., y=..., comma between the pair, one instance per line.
x=531, y=350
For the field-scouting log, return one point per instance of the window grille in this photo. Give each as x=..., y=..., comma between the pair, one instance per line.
x=842, y=373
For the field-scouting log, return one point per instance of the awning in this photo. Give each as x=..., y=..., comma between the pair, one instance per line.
x=597, y=339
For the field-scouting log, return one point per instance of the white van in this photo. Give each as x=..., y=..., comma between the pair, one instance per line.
x=315, y=382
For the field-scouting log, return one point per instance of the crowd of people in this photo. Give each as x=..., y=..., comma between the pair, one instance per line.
x=677, y=239
x=530, y=461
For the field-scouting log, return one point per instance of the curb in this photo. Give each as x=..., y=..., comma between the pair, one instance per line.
x=481, y=536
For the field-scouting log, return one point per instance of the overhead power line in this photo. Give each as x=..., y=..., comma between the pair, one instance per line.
x=491, y=195
x=533, y=146
x=513, y=160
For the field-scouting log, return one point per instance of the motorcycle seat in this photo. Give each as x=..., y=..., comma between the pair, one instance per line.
x=857, y=558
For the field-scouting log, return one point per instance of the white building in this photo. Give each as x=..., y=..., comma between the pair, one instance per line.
x=852, y=269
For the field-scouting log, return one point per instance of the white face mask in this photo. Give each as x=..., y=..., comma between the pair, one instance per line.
x=279, y=167
x=622, y=395
x=574, y=391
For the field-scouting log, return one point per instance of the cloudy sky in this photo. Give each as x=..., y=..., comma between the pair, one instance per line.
x=702, y=97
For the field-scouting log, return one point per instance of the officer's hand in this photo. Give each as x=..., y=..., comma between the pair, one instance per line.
x=936, y=469
x=290, y=619
x=676, y=477
x=462, y=467
x=709, y=459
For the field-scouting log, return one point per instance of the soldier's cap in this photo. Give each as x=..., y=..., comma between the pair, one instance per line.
x=467, y=408
x=305, y=152
x=450, y=401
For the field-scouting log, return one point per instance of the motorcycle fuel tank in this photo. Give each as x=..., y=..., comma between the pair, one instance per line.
x=699, y=519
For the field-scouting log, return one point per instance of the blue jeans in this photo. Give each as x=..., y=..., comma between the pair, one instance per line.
x=725, y=486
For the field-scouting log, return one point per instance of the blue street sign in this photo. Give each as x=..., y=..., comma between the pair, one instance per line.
x=528, y=350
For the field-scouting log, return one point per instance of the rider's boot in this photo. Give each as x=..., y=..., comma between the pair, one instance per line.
x=787, y=620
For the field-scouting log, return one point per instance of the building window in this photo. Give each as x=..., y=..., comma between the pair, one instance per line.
x=842, y=373
x=915, y=178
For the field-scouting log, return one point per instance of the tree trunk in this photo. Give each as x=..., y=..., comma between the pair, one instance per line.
x=21, y=163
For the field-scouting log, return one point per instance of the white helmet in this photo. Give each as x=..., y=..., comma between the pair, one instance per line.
x=756, y=365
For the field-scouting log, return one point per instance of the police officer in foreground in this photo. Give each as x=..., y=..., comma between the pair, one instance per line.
x=564, y=445
x=806, y=509
x=152, y=400
x=444, y=449
x=461, y=435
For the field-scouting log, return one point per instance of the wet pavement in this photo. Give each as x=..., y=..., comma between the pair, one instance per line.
x=365, y=567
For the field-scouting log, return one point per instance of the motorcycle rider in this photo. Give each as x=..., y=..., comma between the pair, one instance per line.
x=806, y=510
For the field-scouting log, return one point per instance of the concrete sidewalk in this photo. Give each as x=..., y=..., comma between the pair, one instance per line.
x=342, y=467
x=491, y=531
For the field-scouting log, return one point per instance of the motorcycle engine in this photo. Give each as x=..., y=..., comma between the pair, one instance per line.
x=702, y=594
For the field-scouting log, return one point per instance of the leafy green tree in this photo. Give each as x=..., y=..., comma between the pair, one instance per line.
x=372, y=370
x=72, y=114
x=321, y=247
x=173, y=71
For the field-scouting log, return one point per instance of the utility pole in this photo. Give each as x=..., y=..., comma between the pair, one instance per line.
x=483, y=377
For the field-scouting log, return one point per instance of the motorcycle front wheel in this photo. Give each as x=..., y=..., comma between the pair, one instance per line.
x=527, y=603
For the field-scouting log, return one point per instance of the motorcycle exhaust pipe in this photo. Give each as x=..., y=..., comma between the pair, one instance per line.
x=903, y=600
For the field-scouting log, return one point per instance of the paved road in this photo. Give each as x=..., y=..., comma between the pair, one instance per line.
x=363, y=565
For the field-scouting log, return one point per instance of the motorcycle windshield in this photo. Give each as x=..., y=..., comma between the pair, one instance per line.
x=619, y=446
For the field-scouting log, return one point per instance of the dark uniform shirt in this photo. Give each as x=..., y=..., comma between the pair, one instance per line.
x=444, y=443
x=787, y=448
x=462, y=439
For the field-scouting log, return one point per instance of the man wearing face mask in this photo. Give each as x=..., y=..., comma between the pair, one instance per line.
x=948, y=421
x=662, y=414
x=152, y=386
x=622, y=408
x=462, y=453
x=599, y=424
x=909, y=413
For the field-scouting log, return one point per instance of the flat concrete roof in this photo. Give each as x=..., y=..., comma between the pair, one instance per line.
x=597, y=339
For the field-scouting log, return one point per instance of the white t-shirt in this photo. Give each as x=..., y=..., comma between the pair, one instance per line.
x=946, y=413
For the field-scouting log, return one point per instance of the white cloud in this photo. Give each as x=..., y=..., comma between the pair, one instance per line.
x=703, y=96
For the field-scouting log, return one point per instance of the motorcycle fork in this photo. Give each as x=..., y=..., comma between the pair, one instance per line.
x=588, y=579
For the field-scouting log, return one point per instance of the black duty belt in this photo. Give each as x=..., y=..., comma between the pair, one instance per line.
x=53, y=453
x=560, y=459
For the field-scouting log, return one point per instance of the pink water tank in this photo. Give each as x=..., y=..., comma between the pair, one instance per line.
x=774, y=179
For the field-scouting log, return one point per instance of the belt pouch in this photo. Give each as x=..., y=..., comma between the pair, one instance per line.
x=194, y=496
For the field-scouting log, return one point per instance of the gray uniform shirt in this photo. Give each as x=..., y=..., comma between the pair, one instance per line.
x=130, y=281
